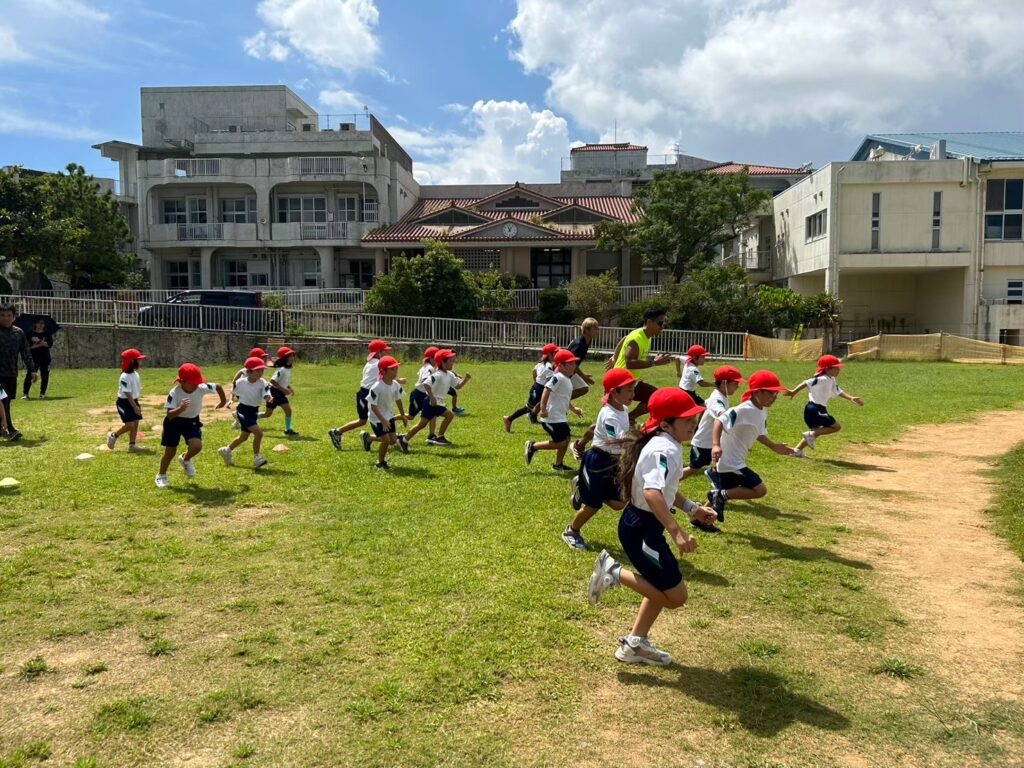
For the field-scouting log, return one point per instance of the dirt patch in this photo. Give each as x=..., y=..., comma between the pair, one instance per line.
x=103, y=420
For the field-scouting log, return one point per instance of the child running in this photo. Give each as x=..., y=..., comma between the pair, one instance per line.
x=129, y=390
x=370, y=377
x=652, y=467
x=732, y=436
x=555, y=404
x=598, y=480
x=385, y=395
x=241, y=373
x=184, y=404
x=436, y=387
x=251, y=392
x=281, y=389
x=820, y=389
x=542, y=371
x=418, y=397
x=688, y=370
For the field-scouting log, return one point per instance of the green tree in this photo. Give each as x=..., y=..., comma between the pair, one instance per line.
x=685, y=216
x=433, y=285
x=595, y=296
x=30, y=235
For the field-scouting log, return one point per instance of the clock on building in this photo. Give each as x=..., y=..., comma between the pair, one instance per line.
x=509, y=230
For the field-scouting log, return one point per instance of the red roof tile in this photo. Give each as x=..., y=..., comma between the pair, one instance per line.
x=607, y=148
x=755, y=170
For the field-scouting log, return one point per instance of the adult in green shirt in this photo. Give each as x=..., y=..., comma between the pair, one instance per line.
x=633, y=353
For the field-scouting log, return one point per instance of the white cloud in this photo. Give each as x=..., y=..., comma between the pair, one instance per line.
x=341, y=100
x=14, y=122
x=338, y=34
x=9, y=50
x=455, y=107
x=753, y=65
x=509, y=142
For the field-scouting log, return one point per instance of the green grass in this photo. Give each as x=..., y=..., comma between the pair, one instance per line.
x=899, y=668
x=1008, y=511
x=321, y=613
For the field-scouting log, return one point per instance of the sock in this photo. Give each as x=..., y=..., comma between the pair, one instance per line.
x=287, y=422
x=519, y=413
x=616, y=572
x=432, y=437
x=725, y=494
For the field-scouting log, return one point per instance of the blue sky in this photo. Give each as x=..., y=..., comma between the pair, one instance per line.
x=499, y=90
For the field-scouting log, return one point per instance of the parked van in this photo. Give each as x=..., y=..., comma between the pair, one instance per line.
x=211, y=310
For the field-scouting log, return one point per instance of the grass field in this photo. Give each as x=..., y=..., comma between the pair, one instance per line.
x=321, y=613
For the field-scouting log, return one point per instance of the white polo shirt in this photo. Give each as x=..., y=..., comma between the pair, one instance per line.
x=283, y=377
x=611, y=426
x=716, y=405
x=384, y=396
x=251, y=393
x=542, y=373
x=822, y=388
x=659, y=468
x=440, y=382
x=178, y=395
x=423, y=376
x=129, y=385
x=371, y=373
x=558, y=401
x=741, y=426
x=691, y=377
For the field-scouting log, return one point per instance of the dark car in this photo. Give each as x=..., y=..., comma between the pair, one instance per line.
x=211, y=310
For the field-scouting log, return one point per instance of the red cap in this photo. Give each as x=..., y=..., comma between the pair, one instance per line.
x=378, y=346
x=190, y=374
x=696, y=351
x=386, y=362
x=442, y=355
x=563, y=356
x=549, y=349
x=828, y=361
x=429, y=352
x=617, y=378
x=670, y=403
x=128, y=357
x=729, y=373
x=283, y=352
x=255, y=364
x=764, y=381
x=259, y=352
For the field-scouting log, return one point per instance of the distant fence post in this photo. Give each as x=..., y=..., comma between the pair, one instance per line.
x=116, y=317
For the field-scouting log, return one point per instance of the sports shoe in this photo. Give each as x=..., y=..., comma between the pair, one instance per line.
x=529, y=451
x=133, y=448
x=563, y=468
x=291, y=433
x=603, y=578
x=24, y=397
x=640, y=650
x=442, y=440
x=258, y=461
x=383, y=466
x=574, y=495
x=42, y=395
x=798, y=454
x=188, y=466
x=335, y=436
x=508, y=424
x=235, y=423
x=713, y=477
x=403, y=443
x=162, y=481
x=810, y=438
x=706, y=527
x=435, y=440
x=111, y=441
x=227, y=455
x=458, y=411
x=573, y=538
x=532, y=417
x=576, y=452
x=13, y=435
x=365, y=436
x=717, y=501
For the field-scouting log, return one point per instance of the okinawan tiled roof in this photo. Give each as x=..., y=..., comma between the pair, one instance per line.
x=755, y=170
x=607, y=148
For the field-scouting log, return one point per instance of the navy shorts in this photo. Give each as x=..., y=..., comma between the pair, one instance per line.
x=452, y=392
x=361, y=407
x=248, y=415
x=417, y=401
x=558, y=432
x=643, y=540
x=277, y=398
x=378, y=428
x=178, y=428
x=697, y=399
x=699, y=457
x=126, y=412
x=533, y=399
x=817, y=416
x=599, y=478
x=433, y=411
x=742, y=478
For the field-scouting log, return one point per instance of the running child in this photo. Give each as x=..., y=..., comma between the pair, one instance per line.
x=129, y=390
x=820, y=389
x=555, y=404
x=184, y=404
x=370, y=377
x=281, y=389
x=241, y=373
x=251, y=392
x=598, y=480
x=732, y=436
x=385, y=395
x=418, y=397
x=688, y=371
x=542, y=371
x=652, y=467
x=437, y=386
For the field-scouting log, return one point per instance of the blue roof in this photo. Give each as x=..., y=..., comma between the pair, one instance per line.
x=996, y=145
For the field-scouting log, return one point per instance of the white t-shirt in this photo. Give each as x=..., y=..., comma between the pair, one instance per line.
x=423, y=376
x=283, y=377
x=178, y=395
x=822, y=388
x=611, y=425
x=371, y=373
x=384, y=396
x=741, y=426
x=129, y=386
x=558, y=401
x=660, y=467
x=542, y=373
x=251, y=393
x=3, y=394
x=691, y=377
x=440, y=382
x=716, y=405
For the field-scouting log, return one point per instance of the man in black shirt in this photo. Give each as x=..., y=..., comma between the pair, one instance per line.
x=12, y=344
x=39, y=343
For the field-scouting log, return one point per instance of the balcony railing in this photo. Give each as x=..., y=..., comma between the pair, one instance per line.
x=198, y=166
x=754, y=261
x=370, y=211
x=198, y=232
x=328, y=230
x=322, y=165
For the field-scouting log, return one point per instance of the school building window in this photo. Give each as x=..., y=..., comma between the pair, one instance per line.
x=311, y=273
x=301, y=210
x=550, y=266
x=236, y=274
x=479, y=259
x=1004, y=209
x=357, y=274
x=1009, y=336
x=174, y=211
x=178, y=274
x=936, y=220
x=238, y=210
x=347, y=209
x=876, y=219
x=1015, y=291
x=816, y=225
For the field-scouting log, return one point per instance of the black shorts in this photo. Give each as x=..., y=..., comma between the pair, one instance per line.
x=536, y=392
x=417, y=401
x=361, y=407
x=741, y=478
x=643, y=392
x=699, y=457
x=816, y=416
x=126, y=412
x=558, y=432
x=277, y=398
x=599, y=478
x=452, y=392
x=378, y=428
x=697, y=399
x=178, y=428
x=248, y=415
x=433, y=411
x=643, y=540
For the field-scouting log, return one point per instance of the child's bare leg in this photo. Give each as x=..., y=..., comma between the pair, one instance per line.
x=581, y=518
x=448, y=416
x=195, y=445
x=167, y=458
x=547, y=445
x=268, y=413
x=691, y=471
x=560, y=449
x=239, y=440
x=382, y=452
x=257, y=440
x=352, y=425
x=133, y=432
x=420, y=425
x=124, y=429
x=826, y=430
x=746, y=494
x=287, y=410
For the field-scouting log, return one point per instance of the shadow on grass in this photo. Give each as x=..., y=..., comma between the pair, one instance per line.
x=690, y=572
x=761, y=700
x=806, y=554
x=771, y=513
x=410, y=472
x=301, y=439
x=843, y=464
x=208, y=497
x=454, y=453
x=51, y=397
x=271, y=471
x=23, y=442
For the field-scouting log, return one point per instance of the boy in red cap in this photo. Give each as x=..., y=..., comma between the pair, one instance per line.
x=418, y=397
x=688, y=371
x=542, y=371
x=281, y=389
x=651, y=470
x=821, y=388
x=555, y=404
x=371, y=375
x=260, y=354
x=250, y=392
x=597, y=482
x=732, y=436
x=385, y=395
x=437, y=386
x=129, y=390
x=184, y=404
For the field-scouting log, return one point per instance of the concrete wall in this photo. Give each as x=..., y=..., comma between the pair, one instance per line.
x=994, y=287
x=794, y=254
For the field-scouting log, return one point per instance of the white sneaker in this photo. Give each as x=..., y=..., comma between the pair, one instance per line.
x=190, y=470
x=602, y=579
x=576, y=453
x=258, y=461
x=227, y=455
x=810, y=438
x=162, y=481
x=133, y=448
x=111, y=441
x=640, y=650
x=235, y=423
x=798, y=454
